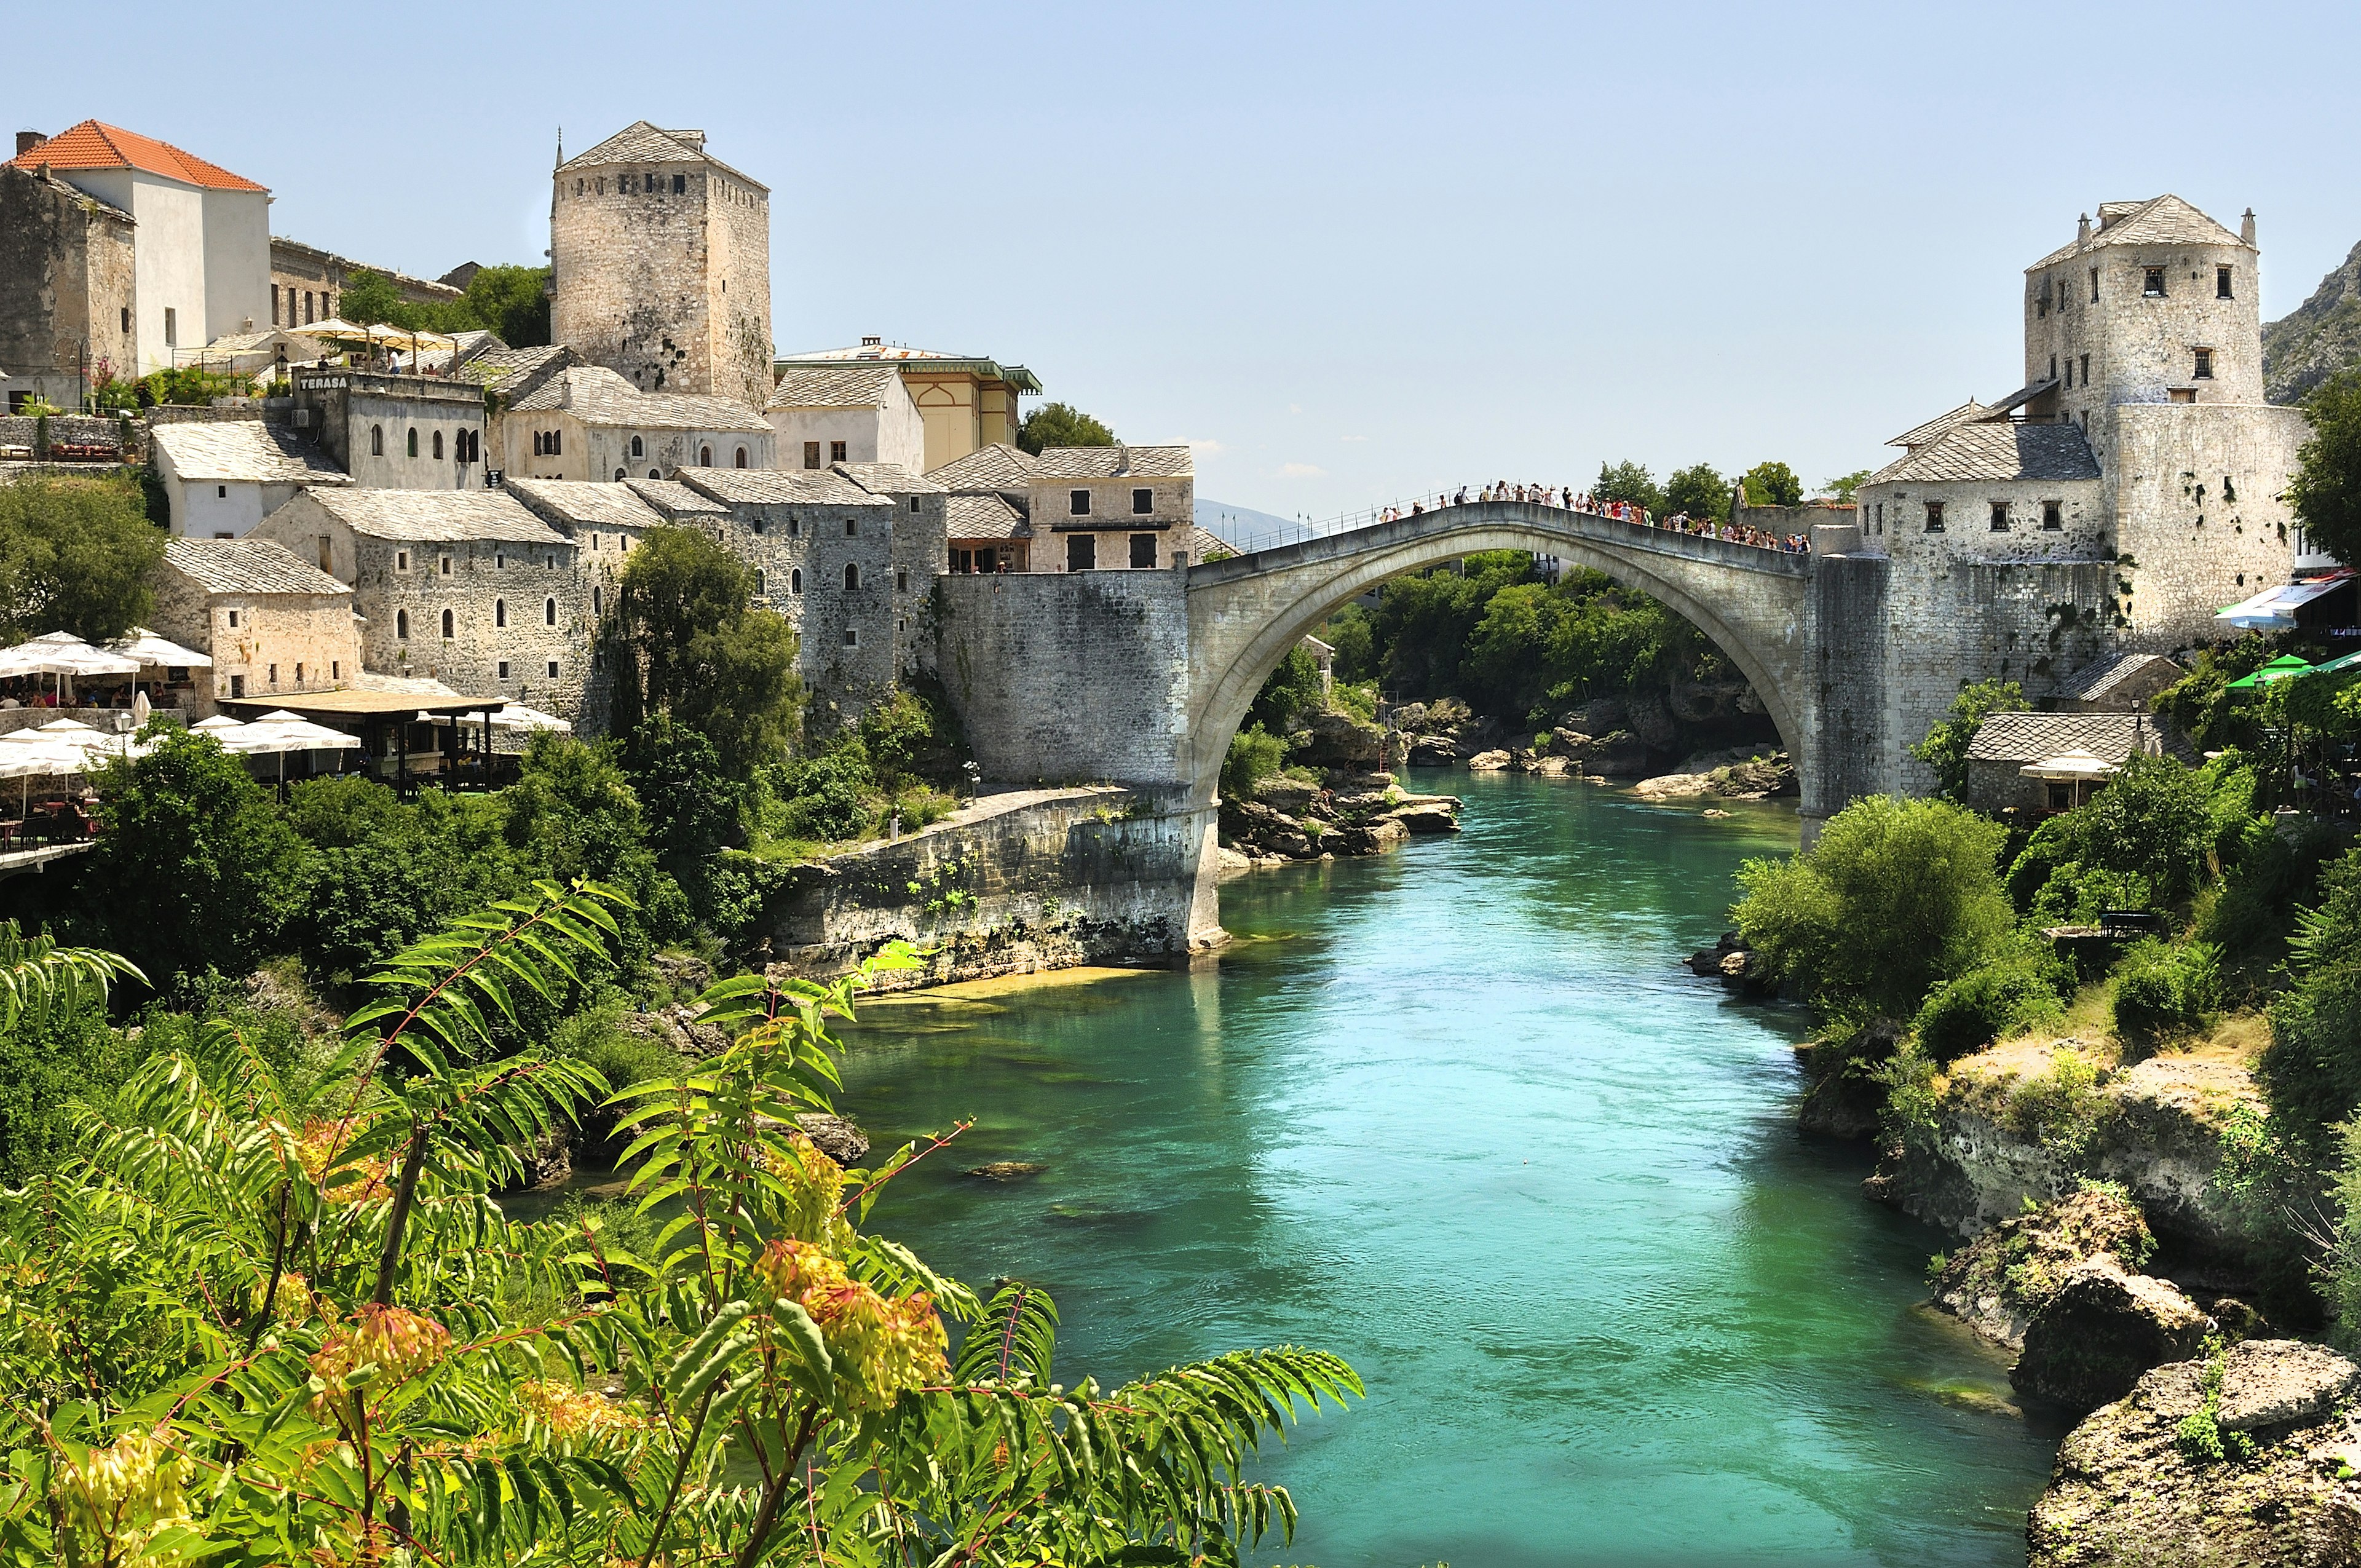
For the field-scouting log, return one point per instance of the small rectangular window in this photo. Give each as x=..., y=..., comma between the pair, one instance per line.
x=232, y=621
x=2052, y=516
x=836, y=451
x=811, y=454
x=335, y=669
x=2086, y=370
x=851, y=636
x=1077, y=503
x=1143, y=550
x=552, y=669
x=504, y=669
x=446, y=566
x=2152, y=282
x=2222, y=284
x=1082, y=552
x=237, y=685
x=172, y=326
x=679, y=184
x=2204, y=371
x=1999, y=517
x=220, y=492
x=851, y=528
x=2094, y=285
x=401, y=560
x=274, y=674
x=901, y=579
x=127, y=318
x=1934, y=517
x=1142, y=503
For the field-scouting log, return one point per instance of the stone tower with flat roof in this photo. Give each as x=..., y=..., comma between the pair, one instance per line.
x=661, y=265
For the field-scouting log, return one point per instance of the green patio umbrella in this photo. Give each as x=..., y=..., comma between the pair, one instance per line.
x=2279, y=669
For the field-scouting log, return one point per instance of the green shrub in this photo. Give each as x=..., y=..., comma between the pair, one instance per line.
x=821, y=798
x=2061, y=1109
x=2312, y=1069
x=2162, y=989
x=1254, y=755
x=2004, y=998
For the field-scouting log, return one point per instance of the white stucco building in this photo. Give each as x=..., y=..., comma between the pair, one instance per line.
x=226, y=476
x=847, y=413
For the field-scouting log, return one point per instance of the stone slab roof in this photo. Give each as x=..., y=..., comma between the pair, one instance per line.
x=1966, y=414
x=2096, y=683
x=2023, y=738
x=2159, y=220
x=583, y=504
x=1116, y=463
x=92, y=145
x=247, y=567
x=2005, y=450
x=438, y=517
x=596, y=395
x=760, y=487
x=248, y=451
x=998, y=467
x=640, y=142
x=516, y=373
x=888, y=479
x=985, y=517
x=835, y=387
x=673, y=498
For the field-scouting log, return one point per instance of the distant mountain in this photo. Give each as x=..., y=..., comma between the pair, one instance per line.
x=1236, y=526
x=2319, y=337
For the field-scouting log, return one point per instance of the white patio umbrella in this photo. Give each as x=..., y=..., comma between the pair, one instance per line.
x=2077, y=767
x=28, y=760
x=155, y=653
x=281, y=731
x=62, y=654
x=516, y=715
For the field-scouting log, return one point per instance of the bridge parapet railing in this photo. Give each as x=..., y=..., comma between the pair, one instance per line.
x=1308, y=529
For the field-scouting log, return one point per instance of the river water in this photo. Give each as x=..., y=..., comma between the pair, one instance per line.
x=1454, y=1113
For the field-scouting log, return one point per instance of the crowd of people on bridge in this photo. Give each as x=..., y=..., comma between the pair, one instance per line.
x=1566, y=498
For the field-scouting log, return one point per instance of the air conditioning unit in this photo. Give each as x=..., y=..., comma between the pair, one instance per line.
x=302, y=419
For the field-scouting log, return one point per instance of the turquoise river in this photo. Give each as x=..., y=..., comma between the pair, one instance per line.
x=1455, y=1114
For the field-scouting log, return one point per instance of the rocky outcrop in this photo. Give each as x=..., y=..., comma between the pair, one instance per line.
x=1488, y=761
x=1996, y=1283
x=675, y=1027
x=835, y=1137
x=1349, y=813
x=2243, y=1460
x=2100, y=1331
x=2316, y=339
x=1436, y=734
x=1729, y=959
x=1746, y=778
x=1330, y=737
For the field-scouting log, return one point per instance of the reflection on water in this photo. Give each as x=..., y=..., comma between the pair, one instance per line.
x=1455, y=1114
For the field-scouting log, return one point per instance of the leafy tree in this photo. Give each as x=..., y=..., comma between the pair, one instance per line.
x=194, y=867
x=1060, y=424
x=1699, y=490
x=1772, y=485
x=1354, y=636
x=1895, y=896
x=690, y=646
x=691, y=809
x=1844, y=485
x=911, y=737
x=55, y=1046
x=824, y=798
x=1424, y=621
x=1292, y=690
x=370, y=298
x=513, y=301
x=2311, y=1069
x=1628, y=482
x=76, y=556
x=1255, y=754
x=2326, y=491
x=1945, y=748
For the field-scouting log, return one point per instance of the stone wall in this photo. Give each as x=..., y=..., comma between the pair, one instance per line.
x=81, y=429
x=364, y=422
x=67, y=278
x=281, y=643
x=1041, y=879
x=1070, y=679
x=2140, y=348
x=1849, y=619
x=2197, y=509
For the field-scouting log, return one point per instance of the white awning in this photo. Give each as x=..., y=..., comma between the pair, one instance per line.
x=2077, y=766
x=2274, y=609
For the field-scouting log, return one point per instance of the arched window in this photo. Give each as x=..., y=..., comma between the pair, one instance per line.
x=851, y=575
x=413, y=440
x=549, y=612
x=655, y=473
x=446, y=624
x=742, y=458
x=438, y=444
x=618, y=476
x=537, y=446
x=377, y=440
x=705, y=457
x=499, y=613
x=795, y=580
x=637, y=449
x=402, y=624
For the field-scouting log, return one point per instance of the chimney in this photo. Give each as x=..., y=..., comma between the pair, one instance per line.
x=28, y=140
x=2082, y=230
x=2246, y=229
x=871, y=341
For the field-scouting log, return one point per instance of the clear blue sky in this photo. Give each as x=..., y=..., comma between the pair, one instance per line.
x=1351, y=251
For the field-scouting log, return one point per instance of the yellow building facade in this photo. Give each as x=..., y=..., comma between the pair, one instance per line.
x=966, y=401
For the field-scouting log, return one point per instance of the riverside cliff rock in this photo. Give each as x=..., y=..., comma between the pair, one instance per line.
x=2137, y=1485
x=2100, y=1331
x=1349, y=812
x=1998, y=1282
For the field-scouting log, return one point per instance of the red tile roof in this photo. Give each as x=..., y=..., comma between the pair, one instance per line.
x=90, y=145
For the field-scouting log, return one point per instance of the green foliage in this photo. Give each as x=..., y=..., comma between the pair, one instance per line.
x=1628, y=482
x=1945, y=748
x=686, y=643
x=2151, y=838
x=1896, y=895
x=512, y=301
x=1255, y=754
x=1353, y=633
x=1292, y=690
x=2200, y=704
x=76, y=556
x=370, y=298
x=2163, y=989
x=2312, y=1069
x=2200, y=1436
x=690, y=808
x=2061, y=1107
x=911, y=738
x=55, y=1046
x=1698, y=491
x=2008, y=996
x=2325, y=493
x=823, y=798
x=1912, y=1081
x=293, y=1284
x=192, y=385
x=1844, y=485
x=1772, y=485
x=1060, y=425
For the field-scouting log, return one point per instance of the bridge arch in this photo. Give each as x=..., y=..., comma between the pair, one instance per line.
x=1245, y=612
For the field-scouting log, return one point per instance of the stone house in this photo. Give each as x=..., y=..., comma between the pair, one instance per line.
x=393, y=432
x=606, y=522
x=966, y=401
x=2007, y=743
x=468, y=587
x=660, y=266
x=306, y=282
x=508, y=374
x=272, y=622
x=986, y=532
x=586, y=422
x=2120, y=682
x=854, y=413
x=1113, y=507
x=224, y=476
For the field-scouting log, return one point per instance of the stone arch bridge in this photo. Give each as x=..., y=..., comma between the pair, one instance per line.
x=1141, y=678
